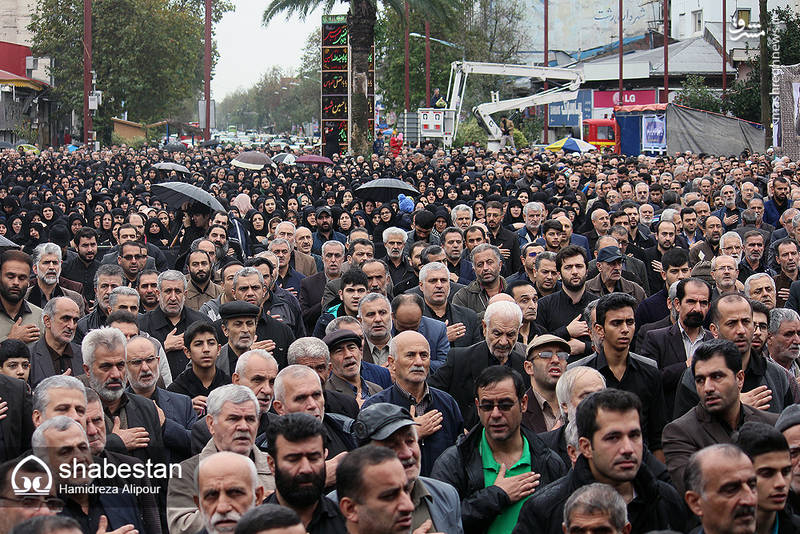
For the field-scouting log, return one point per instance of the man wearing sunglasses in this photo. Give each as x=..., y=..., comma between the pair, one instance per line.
x=545, y=363
x=500, y=463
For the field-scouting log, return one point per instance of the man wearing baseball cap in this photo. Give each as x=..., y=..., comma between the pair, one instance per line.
x=325, y=231
x=545, y=362
x=345, y=350
x=610, y=263
x=391, y=426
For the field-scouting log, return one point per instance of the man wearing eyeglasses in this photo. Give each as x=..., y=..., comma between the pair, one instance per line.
x=17, y=509
x=132, y=257
x=546, y=362
x=500, y=463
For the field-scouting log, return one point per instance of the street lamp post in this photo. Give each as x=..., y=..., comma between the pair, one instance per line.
x=546, y=63
x=621, y=89
x=724, y=47
x=207, y=59
x=87, y=67
x=427, y=63
x=407, y=80
x=665, y=96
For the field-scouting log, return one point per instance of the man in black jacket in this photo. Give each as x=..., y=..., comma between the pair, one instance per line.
x=457, y=376
x=503, y=238
x=463, y=326
x=652, y=504
x=17, y=426
x=497, y=442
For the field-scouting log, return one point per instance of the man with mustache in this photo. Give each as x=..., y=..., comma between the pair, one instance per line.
x=768, y=450
x=610, y=262
x=624, y=369
x=201, y=287
x=672, y=347
x=232, y=418
x=721, y=489
x=436, y=412
x=560, y=312
x=783, y=340
x=345, y=369
x=652, y=256
x=239, y=327
x=786, y=254
x=325, y=231
x=765, y=385
x=718, y=378
x=134, y=424
x=487, y=260
x=21, y=319
x=55, y=353
x=83, y=266
x=227, y=487
x=47, y=268
x=709, y=247
x=546, y=362
x=143, y=362
x=106, y=279
x=725, y=273
x=296, y=454
x=651, y=504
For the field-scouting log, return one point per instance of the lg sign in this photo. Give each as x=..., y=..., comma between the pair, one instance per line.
x=609, y=99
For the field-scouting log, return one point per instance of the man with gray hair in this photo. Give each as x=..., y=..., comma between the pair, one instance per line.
x=394, y=239
x=62, y=442
x=783, y=341
x=375, y=314
x=501, y=324
x=285, y=275
x=232, y=418
x=301, y=261
x=124, y=299
x=487, y=261
x=462, y=323
x=596, y=507
x=227, y=487
x=47, y=268
x=106, y=279
x=462, y=216
x=134, y=424
x=169, y=321
x=533, y=213
x=761, y=287
x=313, y=287
x=59, y=395
x=55, y=353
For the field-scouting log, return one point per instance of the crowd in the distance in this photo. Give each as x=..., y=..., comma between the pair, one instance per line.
x=538, y=342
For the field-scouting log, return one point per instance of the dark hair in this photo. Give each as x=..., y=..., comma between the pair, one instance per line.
x=511, y=286
x=225, y=263
x=497, y=373
x=718, y=347
x=349, y=473
x=267, y=517
x=189, y=256
x=476, y=227
x=430, y=250
x=611, y=302
x=713, y=312
x=15, y=255
x=753, y=233
x=85, y=232
x=570, y=251
x=45, y=524
x=450, y=230
x=424, y=219
x=759, y=307
x=662, y=221
x=617, y=214
x=146, y=272
x=674, y=257
x=756, y=438
x=121, y=316
x=610, y=399
x=7, y=467
x=680, y=291
x=195, y=329
x=256, y=261
x=687, y=211
x=354, y=277
x=360, y=241
x=784, y=241
x=13, y=348
x=293, y=427
x=552, y=224
x=408, y=298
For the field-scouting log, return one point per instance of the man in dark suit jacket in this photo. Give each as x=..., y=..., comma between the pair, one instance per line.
x=436, y=293
x=311, y=289
x=55, y=347
x=503, y=238
x=171, y=319
x=464, y=364
x=16, y=427
x=668, y=346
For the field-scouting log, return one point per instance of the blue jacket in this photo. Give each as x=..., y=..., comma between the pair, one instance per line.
x=452, y=422
x=436, y=333
x=316, y=248
x=466, y=272
x=376, y=374
x=180, y=417
x=772, y=214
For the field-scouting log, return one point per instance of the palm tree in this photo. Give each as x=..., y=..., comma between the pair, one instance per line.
x=361, y=19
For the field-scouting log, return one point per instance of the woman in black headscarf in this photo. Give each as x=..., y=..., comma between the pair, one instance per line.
x=156, y=232
x=513, y=219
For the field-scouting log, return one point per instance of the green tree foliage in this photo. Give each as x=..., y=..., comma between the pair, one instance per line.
x=148, y=54
x=695, y=94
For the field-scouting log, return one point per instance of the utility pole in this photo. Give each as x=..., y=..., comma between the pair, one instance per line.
x=207, y=129
x=764, y=71
x=724, y=47
x=665, y=96
x=621, y=88
x=427, y=63
x=408, y=96
x=87, y=67
x=546, y=63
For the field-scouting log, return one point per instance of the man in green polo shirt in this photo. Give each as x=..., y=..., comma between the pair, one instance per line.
x=500, y=463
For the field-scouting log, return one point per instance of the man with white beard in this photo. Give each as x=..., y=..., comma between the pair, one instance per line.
x=227, y=487
x=142, y=364
x=783, y=339
x=725, y=273
x=47, y=267
x=730, y=244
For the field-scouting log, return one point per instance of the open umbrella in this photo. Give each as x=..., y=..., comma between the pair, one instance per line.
x=175, y=147
x=211, y=143
x=5, y=144
x=570, y=144
x=253, y=160
x=170, y=166
x=285, y=157
x=176, y=193
x=313, y=159
x=384, y=189
x=7, y=243
x=29, y=148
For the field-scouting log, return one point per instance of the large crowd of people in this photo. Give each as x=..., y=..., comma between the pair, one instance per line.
x=537, y=342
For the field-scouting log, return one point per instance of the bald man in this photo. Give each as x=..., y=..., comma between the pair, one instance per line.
x=227, y=486
x=435, y=411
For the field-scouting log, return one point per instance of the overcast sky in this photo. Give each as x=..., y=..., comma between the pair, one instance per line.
x=247, y=49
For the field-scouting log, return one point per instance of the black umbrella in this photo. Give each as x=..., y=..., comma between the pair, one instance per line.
x=175, y=147
x=253, y=160
x=5, y=144
x=384, y=189
x=177, y=193
x=170, y=166
x=211, y=143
